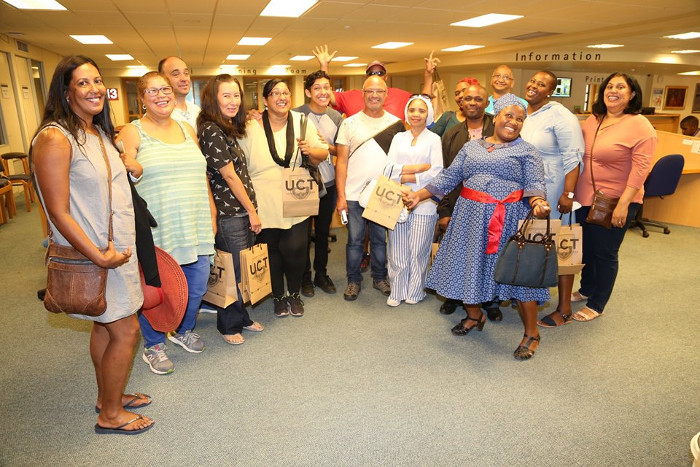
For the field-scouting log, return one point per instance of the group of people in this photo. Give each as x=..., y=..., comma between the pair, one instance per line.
x=212, y=178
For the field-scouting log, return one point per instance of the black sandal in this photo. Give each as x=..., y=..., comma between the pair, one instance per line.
x=461, y=330
x=523, y=352
x=548, y=322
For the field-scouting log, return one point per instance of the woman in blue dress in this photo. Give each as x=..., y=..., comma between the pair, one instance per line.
x=502, y=178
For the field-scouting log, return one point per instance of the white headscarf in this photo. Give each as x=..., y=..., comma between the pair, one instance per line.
x=431, y=113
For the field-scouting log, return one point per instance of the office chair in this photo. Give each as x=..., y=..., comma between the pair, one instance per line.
x=662, y=181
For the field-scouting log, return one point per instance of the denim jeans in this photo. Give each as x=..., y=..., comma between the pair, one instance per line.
x=322, y=224
x=233, y=235
x=197, y=275
x=600, y=248
x=356, y=239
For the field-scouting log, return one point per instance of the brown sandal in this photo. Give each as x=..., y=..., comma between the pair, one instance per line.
x=548, y=321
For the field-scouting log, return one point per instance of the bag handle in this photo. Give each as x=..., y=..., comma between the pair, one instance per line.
x=520, y=234
x=592, y=146
x=302, y=135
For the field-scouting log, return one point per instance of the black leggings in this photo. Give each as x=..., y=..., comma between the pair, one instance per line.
x=287, y=250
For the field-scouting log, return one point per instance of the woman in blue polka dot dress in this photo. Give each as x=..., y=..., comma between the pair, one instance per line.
x=502, y=176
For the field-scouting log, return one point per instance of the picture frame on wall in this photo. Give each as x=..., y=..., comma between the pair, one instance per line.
x=674, y=97
x=696, y=99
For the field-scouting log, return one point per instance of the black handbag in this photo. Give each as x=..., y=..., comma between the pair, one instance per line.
x=528, y=263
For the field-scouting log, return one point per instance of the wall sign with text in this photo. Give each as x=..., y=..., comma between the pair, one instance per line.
x=113, y=94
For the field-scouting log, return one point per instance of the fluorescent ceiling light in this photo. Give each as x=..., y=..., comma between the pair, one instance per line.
x=343, y=58
x=254, y=40
x=94, y=39
x=462, y=48
x=690, y=73
x=485, y=20
x=350, y=65
x=301, y=58
x=686, y=51
x=604, y=46
x=119, y=57
x=36, y=4
x=238, y=57
x=392, y=45
x=686, y=35
x=287, y=8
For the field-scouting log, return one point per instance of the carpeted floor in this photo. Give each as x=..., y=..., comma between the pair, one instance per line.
x=360, y=383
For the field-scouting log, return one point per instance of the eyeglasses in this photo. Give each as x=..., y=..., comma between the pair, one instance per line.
x=503, y=77
x=376, y=73
x=167, y=90
x=378, y=92
x=276, y=94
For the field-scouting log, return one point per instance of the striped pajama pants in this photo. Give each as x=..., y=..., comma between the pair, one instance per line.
x=408, y=253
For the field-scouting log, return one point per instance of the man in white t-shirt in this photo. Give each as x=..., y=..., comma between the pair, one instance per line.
x=179, y=76
x=362, y=145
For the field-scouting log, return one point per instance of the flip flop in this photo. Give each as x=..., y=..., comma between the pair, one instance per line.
x=548, y=321
x=102, y=430
x=255, y=327
x=586, y=314
x=130, y=404
x=234, y=339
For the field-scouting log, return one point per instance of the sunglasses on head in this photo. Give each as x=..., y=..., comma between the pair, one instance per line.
x=376, y=73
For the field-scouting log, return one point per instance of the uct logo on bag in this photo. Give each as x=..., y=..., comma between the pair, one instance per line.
x=567, y=247
x=214, y=275
x=299, y=186
x=387, y=198
x=258, y=269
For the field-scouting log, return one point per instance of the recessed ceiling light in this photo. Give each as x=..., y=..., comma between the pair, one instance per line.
x=353, y=65
x=238, y=57
x=119, y=57
x=485, y=20
x=35, y=4
x=287, y=8
x=391, y=45
x=343, y=58
x=690, y=73
x=604, y=46
x=91, y=39
x=301, y=58
x=254, y=40
x=462, y=48
x=686, y=35
x=686, y=51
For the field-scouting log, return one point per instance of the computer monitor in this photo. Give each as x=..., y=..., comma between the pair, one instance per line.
x=563, y=88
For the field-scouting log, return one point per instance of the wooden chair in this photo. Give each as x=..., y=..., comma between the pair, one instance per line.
x=7, y=200
x=22, y=179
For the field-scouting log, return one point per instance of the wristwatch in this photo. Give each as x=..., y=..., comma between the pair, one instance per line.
x=569, y=194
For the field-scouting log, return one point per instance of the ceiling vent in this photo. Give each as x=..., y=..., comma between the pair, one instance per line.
x=23, y=46
x=531, y=35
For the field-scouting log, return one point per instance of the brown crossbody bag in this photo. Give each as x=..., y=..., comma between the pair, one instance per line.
x=603, y=205
x=75, y=284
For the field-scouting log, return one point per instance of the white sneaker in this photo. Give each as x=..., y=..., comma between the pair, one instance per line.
x=207, y=309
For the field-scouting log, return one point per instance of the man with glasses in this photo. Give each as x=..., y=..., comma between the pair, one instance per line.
x=477, y=124
x=361, y=146
x=178, y=74
x=502, y=82
x=351, y=102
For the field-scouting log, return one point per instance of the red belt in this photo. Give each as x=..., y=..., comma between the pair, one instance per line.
x=498, y=216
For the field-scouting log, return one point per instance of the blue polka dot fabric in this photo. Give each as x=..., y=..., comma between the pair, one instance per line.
x=462, y=270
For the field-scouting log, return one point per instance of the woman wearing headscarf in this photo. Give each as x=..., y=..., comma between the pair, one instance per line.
x=502, y=177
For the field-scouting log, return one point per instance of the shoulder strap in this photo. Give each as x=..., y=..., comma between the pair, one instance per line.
x=374, y=136
x=592, y=146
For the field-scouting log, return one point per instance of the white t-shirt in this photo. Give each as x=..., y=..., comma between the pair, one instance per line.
x=189, y=116
x=363, y=165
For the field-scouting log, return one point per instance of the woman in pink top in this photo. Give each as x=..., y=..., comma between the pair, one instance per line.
x=622, y=144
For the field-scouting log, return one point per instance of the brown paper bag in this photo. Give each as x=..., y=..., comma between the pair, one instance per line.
x=255, y=274
x=299, y=193
x=385, y=204
x=570, y=249
x=221, y=288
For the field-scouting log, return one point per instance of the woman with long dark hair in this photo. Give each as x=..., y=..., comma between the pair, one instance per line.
x=620, y=146
x=220, y=124
x=72, y=154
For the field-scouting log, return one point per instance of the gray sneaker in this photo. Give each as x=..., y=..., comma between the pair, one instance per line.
x=189, y=341
x=382, y=286
x=157, y=360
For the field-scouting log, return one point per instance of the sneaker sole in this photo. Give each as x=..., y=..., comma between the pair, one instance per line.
x=350, y=298
x=282, y=315
x=145, y=359
x=296, y=315
x=190, y=350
